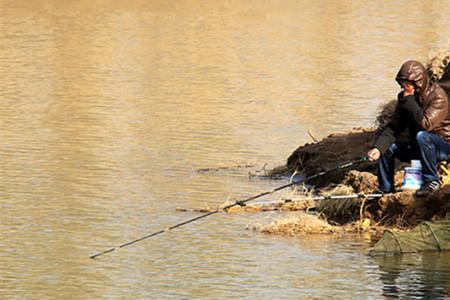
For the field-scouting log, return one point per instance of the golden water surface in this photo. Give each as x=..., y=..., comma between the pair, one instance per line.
x=108, y=108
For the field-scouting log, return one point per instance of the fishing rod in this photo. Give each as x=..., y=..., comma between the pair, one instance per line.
x=327, y=197
x=351, y=196
x=240, y=203
x=333, y=197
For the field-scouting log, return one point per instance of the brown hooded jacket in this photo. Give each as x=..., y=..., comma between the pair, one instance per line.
x=428, y=109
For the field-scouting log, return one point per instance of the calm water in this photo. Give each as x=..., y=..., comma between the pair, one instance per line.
x=108, y=109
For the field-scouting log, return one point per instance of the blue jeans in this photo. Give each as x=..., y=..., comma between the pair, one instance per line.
x=429, y=148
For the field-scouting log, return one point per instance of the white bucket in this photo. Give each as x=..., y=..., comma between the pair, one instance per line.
x=413, y=178
x=416, y=164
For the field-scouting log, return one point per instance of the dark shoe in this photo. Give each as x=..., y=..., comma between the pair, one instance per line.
x=380, y=191
x=428, y=188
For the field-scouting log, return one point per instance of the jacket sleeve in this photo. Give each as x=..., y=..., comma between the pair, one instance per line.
x=435, y=112
x=430, y=116
x=409, y=104
x=388, y=134
x=445, y=85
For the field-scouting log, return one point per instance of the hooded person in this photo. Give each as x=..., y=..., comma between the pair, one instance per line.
x=422, y=111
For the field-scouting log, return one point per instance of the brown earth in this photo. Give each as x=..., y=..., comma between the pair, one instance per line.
x=402, y=209
x=334, y=150
x=398, y=211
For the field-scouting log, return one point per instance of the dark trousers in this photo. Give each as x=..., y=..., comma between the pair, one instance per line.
x=428, y=147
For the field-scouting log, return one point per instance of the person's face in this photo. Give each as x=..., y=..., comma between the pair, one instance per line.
x=407, y=86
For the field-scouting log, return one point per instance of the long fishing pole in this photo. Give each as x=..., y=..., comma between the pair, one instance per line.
x=240, y=203
x=327, y=197
x=351, y=196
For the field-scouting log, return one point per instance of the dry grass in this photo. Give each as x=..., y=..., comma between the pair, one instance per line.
x=438, y=63
x=298, y=205
x=361, y=182
x=340, y=189
x=297, y=199
x=298, y=225
x=385, y=112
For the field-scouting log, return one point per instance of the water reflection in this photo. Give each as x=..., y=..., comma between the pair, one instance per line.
x=415, y=276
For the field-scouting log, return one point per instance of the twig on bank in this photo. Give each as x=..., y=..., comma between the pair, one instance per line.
x=311, y=136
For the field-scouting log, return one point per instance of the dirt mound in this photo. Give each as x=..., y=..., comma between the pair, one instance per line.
x=333, y=150
x=401, y=209
x=299, y=224
x=337, y=149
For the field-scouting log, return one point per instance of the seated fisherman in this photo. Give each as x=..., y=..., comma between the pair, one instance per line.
x=422, y=109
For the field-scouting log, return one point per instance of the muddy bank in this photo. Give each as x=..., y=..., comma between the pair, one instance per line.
x=334, y=150
x=401, y=210
x=337, y=149
x=397, y=211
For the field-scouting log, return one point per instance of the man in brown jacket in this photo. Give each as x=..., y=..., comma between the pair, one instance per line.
x=423, y=110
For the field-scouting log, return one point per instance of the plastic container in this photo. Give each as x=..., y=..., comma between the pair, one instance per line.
x=416, y=164
x=413, y=176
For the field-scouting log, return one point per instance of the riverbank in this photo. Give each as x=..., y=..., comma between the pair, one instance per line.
x=402, y=210
x=397, y=211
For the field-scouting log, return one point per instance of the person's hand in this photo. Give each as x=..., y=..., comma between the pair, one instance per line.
x=373, y=154
x=408, y=89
